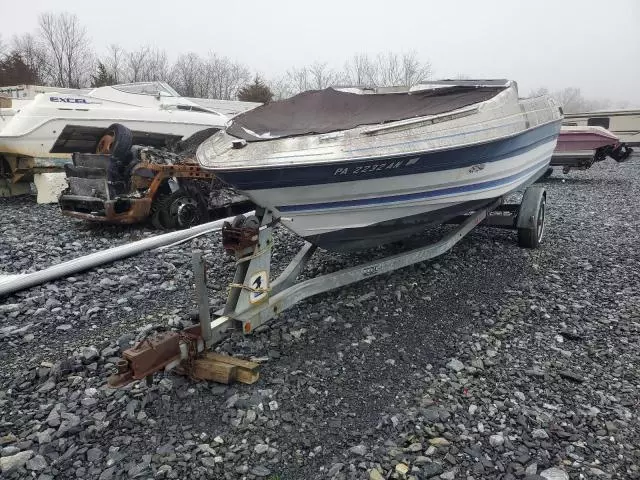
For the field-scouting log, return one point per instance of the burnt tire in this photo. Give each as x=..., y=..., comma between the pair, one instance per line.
x=180, y=209
x=156, y=208
x=122, y=141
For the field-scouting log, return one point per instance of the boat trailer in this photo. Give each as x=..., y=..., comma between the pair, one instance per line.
x=254, y=299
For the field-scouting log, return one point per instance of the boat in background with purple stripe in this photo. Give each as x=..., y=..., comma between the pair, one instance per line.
x=579, y=147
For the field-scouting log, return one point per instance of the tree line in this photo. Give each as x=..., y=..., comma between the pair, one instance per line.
x=573, y=101
x=59, y=53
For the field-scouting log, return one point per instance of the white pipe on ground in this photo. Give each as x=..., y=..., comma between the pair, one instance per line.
x=15, y=283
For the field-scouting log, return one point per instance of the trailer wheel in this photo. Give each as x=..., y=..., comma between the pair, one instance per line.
x=531, y=217
x=180, y=209
x=116, y=141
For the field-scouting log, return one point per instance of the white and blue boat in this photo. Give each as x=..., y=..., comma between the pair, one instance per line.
x=350, y=168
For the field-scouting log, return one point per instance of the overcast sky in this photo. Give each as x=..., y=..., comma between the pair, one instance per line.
x=590, y=44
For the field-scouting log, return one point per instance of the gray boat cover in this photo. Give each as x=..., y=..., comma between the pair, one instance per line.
x=330, y=110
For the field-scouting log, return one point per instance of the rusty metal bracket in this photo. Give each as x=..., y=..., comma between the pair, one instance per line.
x=183, y=353
x=236, y=239
x=151, y=355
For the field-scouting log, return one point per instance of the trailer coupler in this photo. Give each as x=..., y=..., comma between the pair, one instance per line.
x=183, y=353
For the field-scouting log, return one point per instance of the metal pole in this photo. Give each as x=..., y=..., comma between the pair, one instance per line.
x=15, y=283
x=202, y=296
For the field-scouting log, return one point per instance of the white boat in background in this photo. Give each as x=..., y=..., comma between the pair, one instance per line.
x=40, y=127
x=149, y=107
x=352, y=168
x=23, y=94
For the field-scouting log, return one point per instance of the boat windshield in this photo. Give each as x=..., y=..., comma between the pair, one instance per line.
x=157, y=89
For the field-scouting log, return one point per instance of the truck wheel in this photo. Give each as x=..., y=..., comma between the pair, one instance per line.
x=180, y=209
x=531, y=217
x=116, y=141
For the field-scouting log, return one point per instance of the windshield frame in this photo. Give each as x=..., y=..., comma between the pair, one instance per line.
x=154, y=89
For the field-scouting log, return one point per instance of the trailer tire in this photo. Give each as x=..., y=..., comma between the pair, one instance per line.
x=120, y=147
x=531, y=217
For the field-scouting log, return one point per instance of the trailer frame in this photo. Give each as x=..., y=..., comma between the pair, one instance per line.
x=254, y=299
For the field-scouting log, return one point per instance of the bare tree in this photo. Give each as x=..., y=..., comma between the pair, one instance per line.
x=572, y=100
x=312, y=77
x=413, y=70
x=360, y=71
x=33, y=54
x=147, y=64
x=298, y=80
x=405, y=69
x=322, y=76
x=136, y=64
x=389, y=69
x=224, y=77
x=157, y=66
x=3, y=47
x=114, y=62
x=538, y=92
x=67, y=46
x=281, y=87
x=186, y=73
x=386, y=69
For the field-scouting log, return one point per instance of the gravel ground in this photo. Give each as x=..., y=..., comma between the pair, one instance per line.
x=491, y=362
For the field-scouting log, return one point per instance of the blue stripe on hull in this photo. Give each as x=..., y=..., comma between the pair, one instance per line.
x=348, y=239
x=371, y=168
x=416, y=196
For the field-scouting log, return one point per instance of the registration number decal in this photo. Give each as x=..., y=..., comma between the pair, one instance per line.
x=375, y=167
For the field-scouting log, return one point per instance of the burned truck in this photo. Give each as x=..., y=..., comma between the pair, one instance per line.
x=119, y=177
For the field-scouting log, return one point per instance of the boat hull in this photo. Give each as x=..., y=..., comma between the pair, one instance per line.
x=39, y=141
x=340, y=211
x=584, y=139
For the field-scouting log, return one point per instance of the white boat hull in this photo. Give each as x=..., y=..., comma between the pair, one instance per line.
x=415, y=194
x=39, y=140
